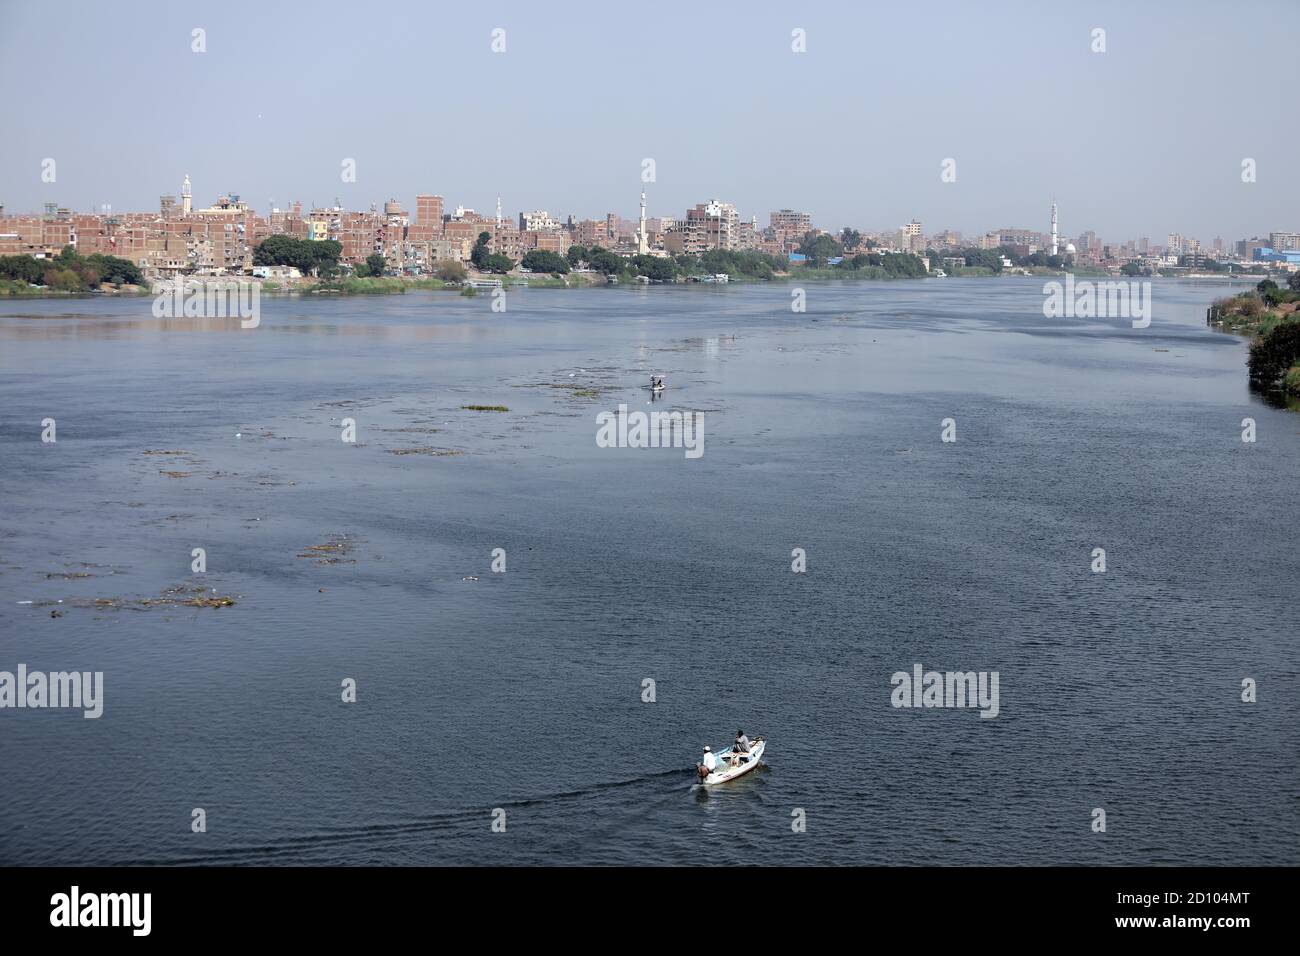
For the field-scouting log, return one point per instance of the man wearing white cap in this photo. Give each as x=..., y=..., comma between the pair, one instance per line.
x=710, y=762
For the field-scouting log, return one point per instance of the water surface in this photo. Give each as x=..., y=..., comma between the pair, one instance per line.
x=523, y=690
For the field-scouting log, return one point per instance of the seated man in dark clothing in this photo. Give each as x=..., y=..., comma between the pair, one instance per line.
x=741, y=746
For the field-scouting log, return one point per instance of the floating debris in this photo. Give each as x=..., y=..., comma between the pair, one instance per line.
x=209, y=602
x=426, y=450
x=333, y=551
x=179, y=595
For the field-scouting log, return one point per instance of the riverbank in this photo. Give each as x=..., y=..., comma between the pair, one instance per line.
x=1269, y=316
x=397, y=285
x=15, y=289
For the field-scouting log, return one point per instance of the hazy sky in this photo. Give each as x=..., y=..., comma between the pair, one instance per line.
x=1144, y=139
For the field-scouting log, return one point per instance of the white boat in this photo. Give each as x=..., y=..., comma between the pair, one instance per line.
x=725, y=771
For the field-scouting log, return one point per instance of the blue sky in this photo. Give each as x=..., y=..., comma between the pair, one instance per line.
x=1142, y=140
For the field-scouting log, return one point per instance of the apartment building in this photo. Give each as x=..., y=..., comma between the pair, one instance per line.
x=1284, y=241
x=785, y=222
x=537, y=221
x=711, y=225
x=428, y=211
x=593, y=232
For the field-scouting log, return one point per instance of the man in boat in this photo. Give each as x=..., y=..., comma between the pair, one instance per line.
x=708, y=765
x=739, y=749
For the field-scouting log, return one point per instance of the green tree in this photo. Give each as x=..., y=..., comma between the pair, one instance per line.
x=23, y=268
x=323, y=255
x=850, y=239
x=278, y=250
x=478, y=255
x=90, y=276
x=604, y=261
x=577, y=255
x=116, y=270
x=539, y=260
x=818, y=248
x=903, y=265
x=655, y=267
x=450, y=270
x=1293, y=282
x=498, y=263
x=376, y=264
x=303, y=254
x=983, y=258
x=1274, y=354
x=63, y=279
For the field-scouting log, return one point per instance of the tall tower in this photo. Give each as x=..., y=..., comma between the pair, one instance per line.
x=498, y=212
x=185, y=196
x=1053, y=228
x=642, y=239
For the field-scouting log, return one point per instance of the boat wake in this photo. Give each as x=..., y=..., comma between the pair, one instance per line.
x=378, y=837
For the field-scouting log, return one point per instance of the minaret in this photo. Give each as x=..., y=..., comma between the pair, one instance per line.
x=498, y=213
x=1053, y=228
x=185, y=196
x=642, y=239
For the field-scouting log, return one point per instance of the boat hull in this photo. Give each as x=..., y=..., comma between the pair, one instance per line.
x=724, y=773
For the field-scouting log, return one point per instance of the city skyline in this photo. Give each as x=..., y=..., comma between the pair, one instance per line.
x=1156, y=239
x=856, y=130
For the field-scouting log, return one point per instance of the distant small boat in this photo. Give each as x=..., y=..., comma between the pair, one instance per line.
x=939, y=274
x=725, y=771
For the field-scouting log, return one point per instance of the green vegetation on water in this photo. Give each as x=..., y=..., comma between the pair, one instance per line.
x=1270, y=314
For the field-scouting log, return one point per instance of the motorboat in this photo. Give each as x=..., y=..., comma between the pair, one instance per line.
x=747, y=762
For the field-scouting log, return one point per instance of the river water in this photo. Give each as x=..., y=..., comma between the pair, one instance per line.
x=523, y=692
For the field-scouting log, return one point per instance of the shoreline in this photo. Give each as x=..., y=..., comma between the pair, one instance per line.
x=393, y=285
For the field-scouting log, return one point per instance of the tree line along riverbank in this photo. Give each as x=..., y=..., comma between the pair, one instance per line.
x=1269, y=315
